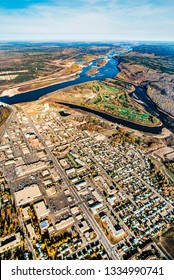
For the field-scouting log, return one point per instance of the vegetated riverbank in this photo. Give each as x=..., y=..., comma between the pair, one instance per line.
x=109, y=96
x=137, y=80
x=151, y=107
x=114, y=119
x=4, y=114
x=160, y=109
x=24, y=62
x=156, y=72
x=55, y=79
x=23, y=88
x=109, y=70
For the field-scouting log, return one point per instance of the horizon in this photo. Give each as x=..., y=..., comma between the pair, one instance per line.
x=89, y=20
x=85, y=41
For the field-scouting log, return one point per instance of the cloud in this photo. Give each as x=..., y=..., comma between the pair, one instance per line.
x=89, y=20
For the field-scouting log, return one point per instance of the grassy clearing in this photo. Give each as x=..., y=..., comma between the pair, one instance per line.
x=113, y=98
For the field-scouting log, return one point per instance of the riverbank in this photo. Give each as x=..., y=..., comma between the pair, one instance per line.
x=110, y=70
x=33, y=85
x=158, y=106
x=114, y=118
x=111, y=97
x=134, y=69
x=51, y=82
x=145, y=100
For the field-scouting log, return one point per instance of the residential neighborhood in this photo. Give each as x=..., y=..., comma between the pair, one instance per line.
x=67, y=193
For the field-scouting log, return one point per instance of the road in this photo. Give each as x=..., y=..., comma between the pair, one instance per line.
x=111, y=180
x=155, y=191
x=108, y=247
x=26, y=238
x=3, y=130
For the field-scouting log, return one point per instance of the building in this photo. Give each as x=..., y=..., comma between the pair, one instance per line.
x=111, y=199
x=24, y=169
x=74, y=210
x=64, y=224
x=25, y=213
x=80, y=185
x=70, y=171
x=41, y=210
x=27, y=195
x=83, y=226
x=117, y=233
x=9, y=242
x=80, y=162
x=95, y=207
x=31, y=231
x=97, y=196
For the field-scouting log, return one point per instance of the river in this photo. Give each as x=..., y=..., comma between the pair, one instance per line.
x=140, y=95
x=109, y=70
x=114, y=119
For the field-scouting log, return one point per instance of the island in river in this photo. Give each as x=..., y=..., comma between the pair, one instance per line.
x=108, y=94
x=28, y=66
x=87, y=139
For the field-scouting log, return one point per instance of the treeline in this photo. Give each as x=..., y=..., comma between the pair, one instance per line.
x=4, y=114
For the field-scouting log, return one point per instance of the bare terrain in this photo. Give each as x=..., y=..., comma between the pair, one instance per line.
x=152, y=66
x=25, y=67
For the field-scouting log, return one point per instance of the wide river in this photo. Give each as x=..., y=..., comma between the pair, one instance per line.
x=109, y=70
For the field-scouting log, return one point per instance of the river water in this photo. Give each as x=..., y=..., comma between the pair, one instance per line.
x=109, y=70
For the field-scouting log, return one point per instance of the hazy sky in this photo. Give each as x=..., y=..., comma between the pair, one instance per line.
x=93, y=20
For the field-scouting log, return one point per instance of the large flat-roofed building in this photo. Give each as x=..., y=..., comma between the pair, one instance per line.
x=94, y=207
x=75, y=210
x=70, y=171
x=83, y=226
x=41, y=210
x=9, y=242
x=80, y=185
x=64, y=224
x=24, y=169
x=97, y=196
x=27, y=195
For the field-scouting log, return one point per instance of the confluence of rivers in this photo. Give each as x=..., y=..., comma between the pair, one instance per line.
x=109, y=70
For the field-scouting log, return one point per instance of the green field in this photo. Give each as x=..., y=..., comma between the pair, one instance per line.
x=115, y=100
x=110, y=96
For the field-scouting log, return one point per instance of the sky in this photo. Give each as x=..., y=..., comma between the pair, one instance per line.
x=86, y=20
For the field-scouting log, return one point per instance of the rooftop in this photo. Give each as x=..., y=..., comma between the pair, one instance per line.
x=41, y=209
x=27, y=195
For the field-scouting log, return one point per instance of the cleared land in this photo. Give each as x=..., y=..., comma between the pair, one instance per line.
x=42, y=63
x=152, y=66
